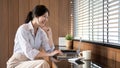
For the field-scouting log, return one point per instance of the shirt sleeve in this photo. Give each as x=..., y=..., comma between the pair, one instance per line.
x=45, y=43
x=25, y=44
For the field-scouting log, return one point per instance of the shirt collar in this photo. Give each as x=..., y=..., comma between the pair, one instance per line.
x=30, y=27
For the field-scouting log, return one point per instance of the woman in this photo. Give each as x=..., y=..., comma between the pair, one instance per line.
x=30, y=37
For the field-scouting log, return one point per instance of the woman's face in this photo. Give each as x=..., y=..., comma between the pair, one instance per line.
x=42, y=20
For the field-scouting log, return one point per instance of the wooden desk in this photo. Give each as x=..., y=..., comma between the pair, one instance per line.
x=109, y=63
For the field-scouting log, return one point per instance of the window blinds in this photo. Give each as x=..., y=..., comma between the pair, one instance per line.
x=97, y=20
x=81, y=17
x=113, y=20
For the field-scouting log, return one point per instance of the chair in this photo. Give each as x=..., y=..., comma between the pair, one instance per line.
x=48, y=59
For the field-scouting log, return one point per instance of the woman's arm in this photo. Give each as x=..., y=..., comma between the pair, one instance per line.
x=44, y=54
x=49, y=35
x=48, y=31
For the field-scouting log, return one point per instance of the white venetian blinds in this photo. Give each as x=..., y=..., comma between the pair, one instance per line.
x=81, y=19
x=97, y=20
x=112, y=21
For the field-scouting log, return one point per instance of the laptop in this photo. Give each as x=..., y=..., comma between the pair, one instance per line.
x=67, y=54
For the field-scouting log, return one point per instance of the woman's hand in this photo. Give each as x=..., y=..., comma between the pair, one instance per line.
x=54, y=55
x=47, y=30
x=56, y=52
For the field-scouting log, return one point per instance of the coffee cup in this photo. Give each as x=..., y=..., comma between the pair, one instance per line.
x=86, y=54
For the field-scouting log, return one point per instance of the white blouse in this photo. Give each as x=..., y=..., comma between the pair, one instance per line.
x=29, y=44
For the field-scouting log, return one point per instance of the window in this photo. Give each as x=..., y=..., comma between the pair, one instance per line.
x=97, y=20
x=81, y=19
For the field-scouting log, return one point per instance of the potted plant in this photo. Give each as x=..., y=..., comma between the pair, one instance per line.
x=69, y=39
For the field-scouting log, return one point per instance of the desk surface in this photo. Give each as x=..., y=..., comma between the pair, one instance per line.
x=104, y=63
x=86, y=64
x=64, y=62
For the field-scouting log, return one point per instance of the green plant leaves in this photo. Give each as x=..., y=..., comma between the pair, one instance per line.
x=68, y=37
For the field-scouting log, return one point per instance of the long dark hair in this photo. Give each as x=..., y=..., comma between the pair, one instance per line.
x=39, y=10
